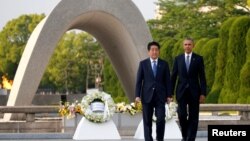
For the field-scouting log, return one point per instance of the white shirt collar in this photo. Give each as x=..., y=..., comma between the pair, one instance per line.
x=190, y=55
x=151, y=60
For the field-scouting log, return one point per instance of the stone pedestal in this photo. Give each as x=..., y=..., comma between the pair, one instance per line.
x=172, y=130
x=87, y=130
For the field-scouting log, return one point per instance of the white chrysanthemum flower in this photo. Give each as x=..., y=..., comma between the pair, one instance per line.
x=99, y=117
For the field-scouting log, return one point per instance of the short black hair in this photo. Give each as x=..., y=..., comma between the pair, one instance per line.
x=153, y=43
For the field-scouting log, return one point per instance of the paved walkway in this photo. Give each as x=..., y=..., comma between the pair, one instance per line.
x=124, y=139
x=201, y=136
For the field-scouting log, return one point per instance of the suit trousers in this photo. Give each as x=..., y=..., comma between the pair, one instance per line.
x=148, y=111
x=188, y=114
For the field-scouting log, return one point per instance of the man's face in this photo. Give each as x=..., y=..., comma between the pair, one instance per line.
x=188, y=46
x=154, y=52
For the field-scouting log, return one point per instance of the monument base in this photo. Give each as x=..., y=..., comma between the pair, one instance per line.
x=172, y=130
x=87, y=130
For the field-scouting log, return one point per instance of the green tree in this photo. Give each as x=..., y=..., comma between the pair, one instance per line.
x=178, y=48
x=67, y=69
x=13, y=39
x=236, y=57
x=200, y=44
x=197, y=19
x=112, y=84
x=221, y=59
x=209, y=52
x=244, y=92
x=166, y=51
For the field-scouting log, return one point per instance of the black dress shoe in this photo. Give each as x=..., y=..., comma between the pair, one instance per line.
x=190, y=139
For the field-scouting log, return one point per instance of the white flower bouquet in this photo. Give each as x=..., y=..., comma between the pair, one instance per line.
x=98, y=117
x=171, y=109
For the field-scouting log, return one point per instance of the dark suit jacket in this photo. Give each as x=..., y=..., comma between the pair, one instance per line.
x=146, y=83
x=194, y=78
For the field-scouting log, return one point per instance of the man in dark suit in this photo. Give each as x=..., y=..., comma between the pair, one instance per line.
x=191, y=89
x=153, y=89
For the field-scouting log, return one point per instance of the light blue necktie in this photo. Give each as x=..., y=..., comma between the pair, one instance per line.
x=154, y=68
x=187, y=62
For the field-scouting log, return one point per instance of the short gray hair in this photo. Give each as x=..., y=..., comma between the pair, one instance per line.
x=189, y=39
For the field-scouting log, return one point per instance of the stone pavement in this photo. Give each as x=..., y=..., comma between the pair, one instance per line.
x=124, y=139
x=201, y=136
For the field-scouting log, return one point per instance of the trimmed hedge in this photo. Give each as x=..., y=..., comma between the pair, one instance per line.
x=166, y=51
x=221, y=59
x=178, y=48
x=209, y=52
x=244, y=92
x=199, y=45
x=235, y=59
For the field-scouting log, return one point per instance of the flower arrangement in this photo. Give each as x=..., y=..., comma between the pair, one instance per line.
x=70, y=110
x=131, y=108
x=98, y=117
x=84, y=107
x=171, y=109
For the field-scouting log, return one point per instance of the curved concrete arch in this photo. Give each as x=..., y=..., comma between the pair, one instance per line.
x=117, y=24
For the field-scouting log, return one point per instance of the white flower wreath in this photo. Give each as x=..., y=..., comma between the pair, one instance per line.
x=98, y=117
x=171, y=109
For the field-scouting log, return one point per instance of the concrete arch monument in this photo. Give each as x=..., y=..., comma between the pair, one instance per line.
x=117, y=24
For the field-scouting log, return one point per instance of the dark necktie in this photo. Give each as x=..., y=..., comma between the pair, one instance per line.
x=187, y=62
x=154, y=68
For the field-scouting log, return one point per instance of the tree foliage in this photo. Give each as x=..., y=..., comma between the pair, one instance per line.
x=201, y=20
x=13, y=39
x=221, y=59
x=67, y=69
x=236, y=57
x=200, y=44
x=209, y=55
x=178, y=48
x=194, y=18
x=112, y=84
x=244, y=92
x=167, y=50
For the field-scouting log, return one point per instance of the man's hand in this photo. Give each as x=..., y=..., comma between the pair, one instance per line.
x=202, y=99
x=137, y=99
x=169, y=99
